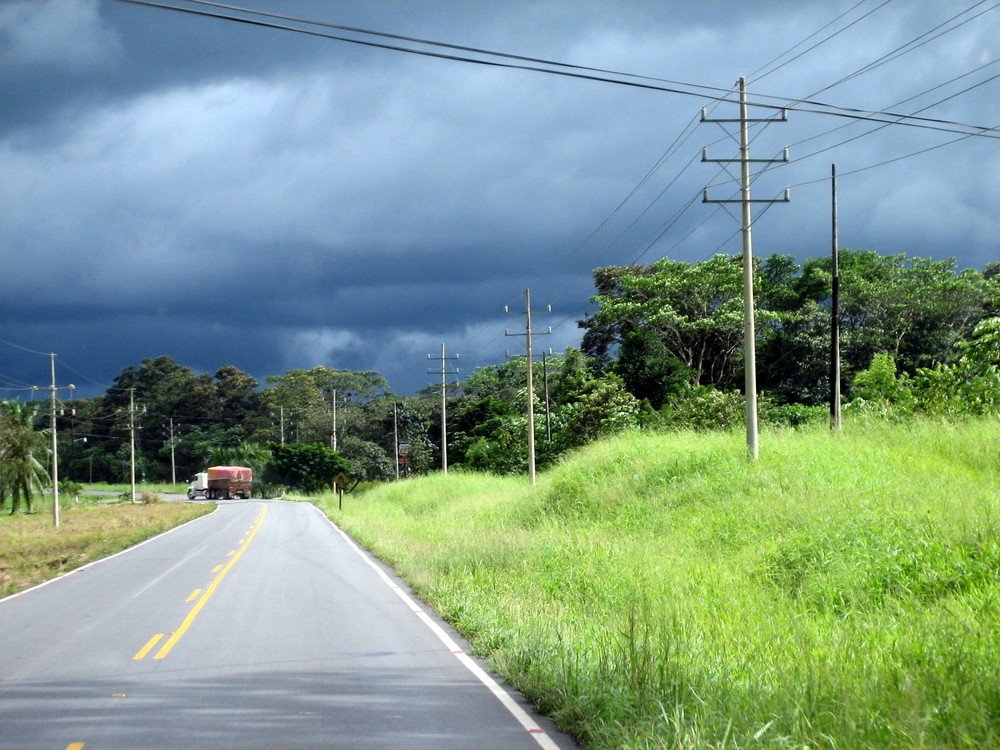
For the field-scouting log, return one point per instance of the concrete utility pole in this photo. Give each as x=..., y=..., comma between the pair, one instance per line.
x=333, y=436
x=55, y=448
x=395, y=435
x=749, y=333
x=173, y=463
x=131, y=432
x=444, y=403
x=835, y=420
x=528, y=333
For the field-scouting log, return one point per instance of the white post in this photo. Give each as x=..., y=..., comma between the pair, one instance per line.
x=55, y=453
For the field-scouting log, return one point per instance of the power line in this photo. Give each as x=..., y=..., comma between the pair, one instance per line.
x=902, y=49
x=819, y=43
x=25, y=349
x=641, y=82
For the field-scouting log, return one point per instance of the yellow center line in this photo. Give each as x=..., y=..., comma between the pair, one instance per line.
x=217, y=568
x=194, y=595
x=148, y=647
x=193, y=614
x=75, y=746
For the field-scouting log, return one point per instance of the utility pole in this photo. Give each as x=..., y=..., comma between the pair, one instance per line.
x=173, y=464
x=55, y=448
x=333, y=436
x=545, y=381
x=835, y=420
x=749, y=333
x=395, y=435
x=281, y=422
x=131, y=431
x=528, y=333
x=444, y=403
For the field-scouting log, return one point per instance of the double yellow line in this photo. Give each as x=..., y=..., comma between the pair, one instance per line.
x=202, y=600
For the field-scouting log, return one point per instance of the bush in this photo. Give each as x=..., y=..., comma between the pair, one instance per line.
x=704, y=408
x=307, y=467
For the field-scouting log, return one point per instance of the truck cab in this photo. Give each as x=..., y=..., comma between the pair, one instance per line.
x=198, y=485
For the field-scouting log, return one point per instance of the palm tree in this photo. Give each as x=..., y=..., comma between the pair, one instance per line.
x=20, y=470
x=253, y=455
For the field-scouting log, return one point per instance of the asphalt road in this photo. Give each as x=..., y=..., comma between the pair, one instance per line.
x=258, y=626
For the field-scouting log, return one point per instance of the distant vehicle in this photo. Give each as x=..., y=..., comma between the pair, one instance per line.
x=222, y=483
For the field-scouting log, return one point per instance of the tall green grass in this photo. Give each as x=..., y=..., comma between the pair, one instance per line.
x=659, y=591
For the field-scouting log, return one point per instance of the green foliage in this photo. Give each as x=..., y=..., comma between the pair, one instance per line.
x=661, y=591
x=696, y=308
x=21, y=472
x=252, y=455
x=70, y=490
x=308, y=467
x=703, y=408
x=648, y=369
x=605, y=408
x=880, y=384
x=368, y=461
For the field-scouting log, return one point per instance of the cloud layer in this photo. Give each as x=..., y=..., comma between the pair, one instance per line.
x=235, y=195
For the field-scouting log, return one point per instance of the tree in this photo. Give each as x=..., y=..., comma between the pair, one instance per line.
x=911, y=308
x=695, y=308
x=21, y=473
x=309, y=467
x=969, y=386
x=606, y=408
x=880, y=384
x=648, y=370
x=296, y=398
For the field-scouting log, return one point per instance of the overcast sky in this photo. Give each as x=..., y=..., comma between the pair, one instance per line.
x=225, y=193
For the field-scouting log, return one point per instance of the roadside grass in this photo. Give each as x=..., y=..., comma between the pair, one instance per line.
x=116, y=488
x=32, y=550
x=660, y=591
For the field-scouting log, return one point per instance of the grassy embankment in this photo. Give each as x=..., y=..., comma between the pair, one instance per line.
x=659, y=591
x=32, y=550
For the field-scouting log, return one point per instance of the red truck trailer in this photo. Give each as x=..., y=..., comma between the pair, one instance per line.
x=222, y=483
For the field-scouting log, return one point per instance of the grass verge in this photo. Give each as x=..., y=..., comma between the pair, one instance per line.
x=33, y=550
x=659, y=591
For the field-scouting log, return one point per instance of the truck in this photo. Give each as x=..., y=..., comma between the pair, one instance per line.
x=222, y=483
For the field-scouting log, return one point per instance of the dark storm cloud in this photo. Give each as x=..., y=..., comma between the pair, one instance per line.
x=227, y=194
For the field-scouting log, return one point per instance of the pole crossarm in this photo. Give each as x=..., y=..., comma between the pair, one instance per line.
x=782, y=117
x=786, y=198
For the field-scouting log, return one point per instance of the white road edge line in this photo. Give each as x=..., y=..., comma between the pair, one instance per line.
x=109, y=557
x=541, y=737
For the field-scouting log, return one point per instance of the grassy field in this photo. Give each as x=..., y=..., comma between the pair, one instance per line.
x=178, y=489
x=32, y=550
x=659, y=591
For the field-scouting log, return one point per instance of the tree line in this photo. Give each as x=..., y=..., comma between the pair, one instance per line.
x=662, y=350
